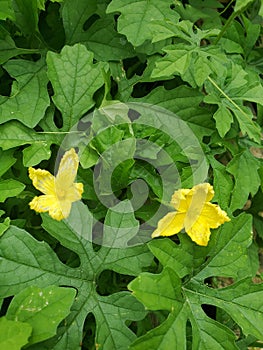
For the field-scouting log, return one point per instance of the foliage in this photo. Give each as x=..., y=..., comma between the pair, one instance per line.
x=154, y=96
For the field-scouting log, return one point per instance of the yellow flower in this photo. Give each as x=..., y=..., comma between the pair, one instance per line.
x=60, y=191
x=194, y=213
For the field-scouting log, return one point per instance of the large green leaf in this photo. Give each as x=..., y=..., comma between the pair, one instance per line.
x=137, y=18
x=35, y=261
x=75, y=79
x=29, y=97
x=26, y=15
x=185, y=103
x=8, y=48
x=106, y=43
x=184, y=300
x=74, y=15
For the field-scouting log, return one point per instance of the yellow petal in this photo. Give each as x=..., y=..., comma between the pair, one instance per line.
x=42, y=180
x=67, y=170
x=213, y=215
x=74, y=193
x=205, y=188
x=199, y=233
x=50, y=204
x=196, y=200
x=169, y=225
x=179, y=200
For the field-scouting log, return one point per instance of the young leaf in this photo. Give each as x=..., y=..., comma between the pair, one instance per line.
x=241, y=4
x=13, y=334
x=10, y=188
x=35, y=153
x=42, y=308
x=6, y=10
x=230, y=92
x=75, y=79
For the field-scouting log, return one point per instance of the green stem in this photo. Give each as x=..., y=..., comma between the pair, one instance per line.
x=227, y=24
x=229, y=99
x=226, y=96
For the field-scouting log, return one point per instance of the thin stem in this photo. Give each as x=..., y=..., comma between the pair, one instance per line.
x=227, y=6
x=228, y=98
x=227, y=24
x=60, y=132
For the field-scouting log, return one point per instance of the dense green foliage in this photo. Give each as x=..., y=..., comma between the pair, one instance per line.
x=155, y=95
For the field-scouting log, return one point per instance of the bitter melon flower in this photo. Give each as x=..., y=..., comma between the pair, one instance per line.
x=60, y=191
x=194, y=213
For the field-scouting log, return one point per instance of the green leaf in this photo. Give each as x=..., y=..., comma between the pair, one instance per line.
x=223, y=184
x=231, y=92
x=7, y=159
x=229, y=256
x=26, y=14
x=13, y=134
x=244, y=167
x=224, y=119
x=8, y=48
x=75, y=79
x=120, y=225
x=10, y=188
x=36, y=261
x=184, y=301
x=4, y=225
x=74, y=16
x=106, y=43
x=241, y=4
x=185, y=103
x=35, y=153
x=136, y=18
x=29, y=97
x=193, y=61
x=7, y=10
x=13, y=334
x=42, y=308
x=166, y=290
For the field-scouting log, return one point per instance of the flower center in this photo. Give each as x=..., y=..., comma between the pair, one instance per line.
x=61, y=194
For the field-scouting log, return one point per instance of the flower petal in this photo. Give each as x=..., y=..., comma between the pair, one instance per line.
x=213, y=215
x=179, y=200
x=74, y=193
x=169, y=225
x=67, y=170
x=199, y=233
x=50, y=204
x=42, y=180
x=204, y=188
